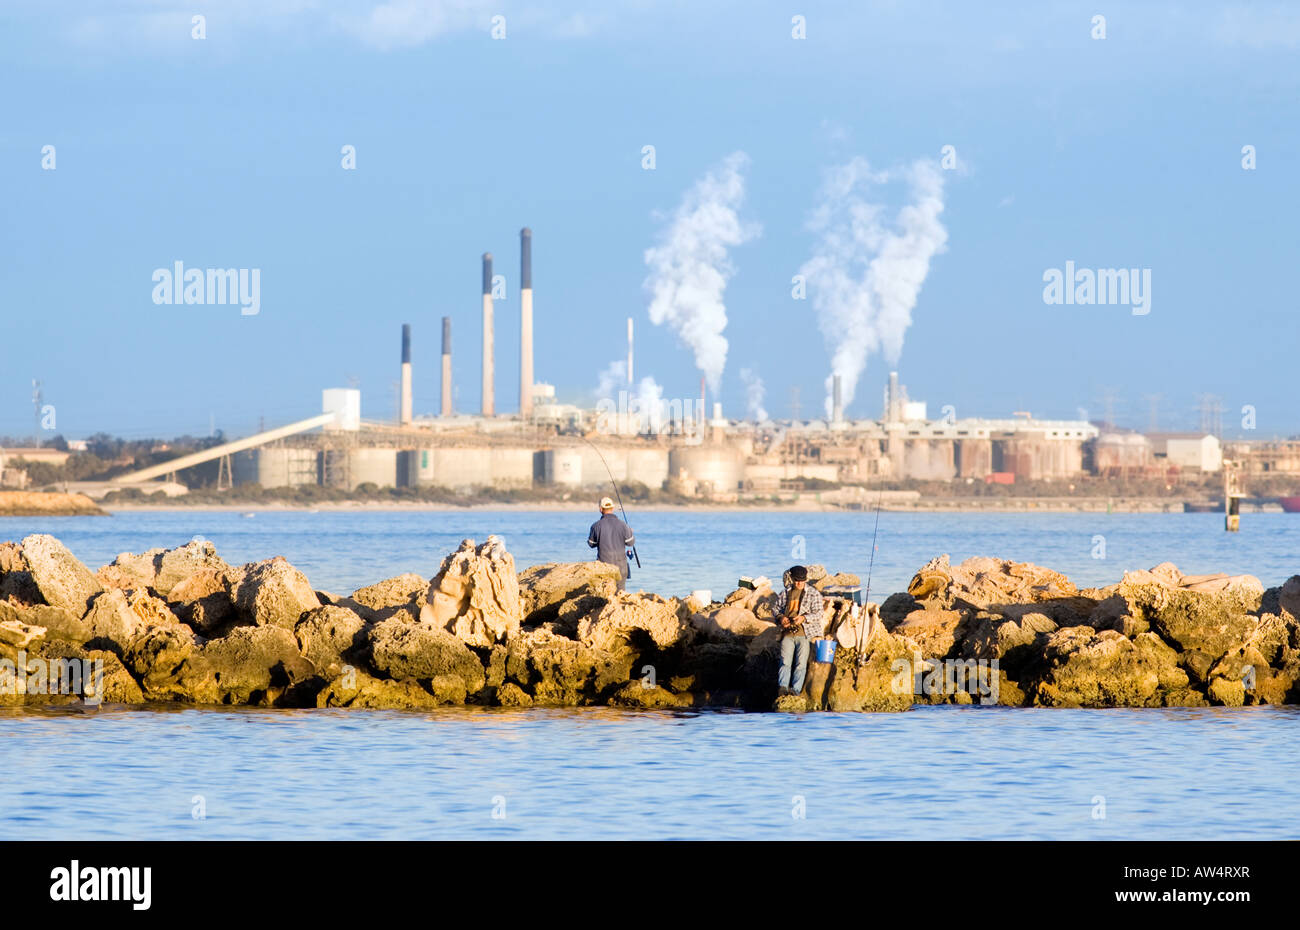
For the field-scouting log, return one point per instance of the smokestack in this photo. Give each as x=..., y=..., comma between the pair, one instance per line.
x=703, y=398
x=525, y=323
x=629, y=353
x=837, y=400
x=406, y=374
x=446, y=366
x=489, y=399
x=894, y=413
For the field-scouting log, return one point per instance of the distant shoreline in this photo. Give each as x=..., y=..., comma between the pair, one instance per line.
x=1018, y=505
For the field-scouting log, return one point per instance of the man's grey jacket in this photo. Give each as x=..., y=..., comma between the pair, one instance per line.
x=610, y=537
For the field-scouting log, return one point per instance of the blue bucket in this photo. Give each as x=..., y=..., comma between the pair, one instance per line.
x=826, y=650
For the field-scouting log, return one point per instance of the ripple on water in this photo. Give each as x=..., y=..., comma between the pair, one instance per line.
x=596, y=772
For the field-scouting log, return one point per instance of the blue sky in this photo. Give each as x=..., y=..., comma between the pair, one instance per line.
x=225, y=152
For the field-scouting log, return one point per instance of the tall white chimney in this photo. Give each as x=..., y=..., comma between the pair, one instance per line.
x=406, y=374
x=525, y=323
x=489, y=399
x=446, y=366
x=630, y=382
x=837, y=400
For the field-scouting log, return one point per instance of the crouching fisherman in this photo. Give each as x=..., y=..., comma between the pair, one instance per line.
x=799, y=611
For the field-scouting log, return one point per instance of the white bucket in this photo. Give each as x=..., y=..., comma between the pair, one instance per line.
x=701, y=598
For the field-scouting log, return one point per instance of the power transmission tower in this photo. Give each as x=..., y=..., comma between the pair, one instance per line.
x=1211, y=410
x=1108, y=398
x=1153, y=412
x=794, y=403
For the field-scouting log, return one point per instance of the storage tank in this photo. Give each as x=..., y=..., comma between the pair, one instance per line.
x=720, y=468
x=648, y=466
x=462, y=467
x=511, y=468
x=275, y=467
x=373, y=466
x=562, y=466
x=974, y=457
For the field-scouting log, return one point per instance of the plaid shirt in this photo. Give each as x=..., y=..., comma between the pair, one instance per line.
x=810, y=606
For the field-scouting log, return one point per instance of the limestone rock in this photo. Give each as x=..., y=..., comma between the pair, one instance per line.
x=495, y=667
x=1289, y=596
x=728, y=623
x=129, y=570
x=790, y=704
x=75, y=674
x=148, y=638
x=274, y=593
x=556, y=670
x=982, y=582
x=116, y=685
x=57, y=622
x=57, y=574
x=842, y=578
x=16, y=582
x=545, y=588
x=475, y=594
x=637, y=694
x=643, y=618
x=511, y=695
x=117, y=618
x=357, y=689
x=249, y=665
x=878, y=685
x=932, y=581
x=1082, y=667
x=386, y=599
x=173, y=566
x=399, y=649
x=328, y=635
x=1267, y=665
x=935, y=631
x=16, y=636
x=1168, y=575
x=1208, y=623
x=205, y=599
x=1012, y=642
x=896, y=607
x=712, y=667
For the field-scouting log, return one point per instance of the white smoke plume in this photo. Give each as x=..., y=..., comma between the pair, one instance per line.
x=864, y=275
x=612, y=380
x=754, y=393
x=689, y=268
x=641, y=409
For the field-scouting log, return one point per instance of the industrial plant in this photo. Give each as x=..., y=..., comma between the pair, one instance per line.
x=670, y=448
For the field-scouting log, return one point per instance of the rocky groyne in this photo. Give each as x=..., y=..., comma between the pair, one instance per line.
x=47, y=504
x=183, y=626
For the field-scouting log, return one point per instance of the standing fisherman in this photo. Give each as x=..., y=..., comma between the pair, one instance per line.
x=610, y=537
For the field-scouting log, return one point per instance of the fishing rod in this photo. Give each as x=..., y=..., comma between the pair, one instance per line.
x=862, y=658
x=619, y=497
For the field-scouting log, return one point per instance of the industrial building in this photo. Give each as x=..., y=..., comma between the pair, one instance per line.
x=562, y=445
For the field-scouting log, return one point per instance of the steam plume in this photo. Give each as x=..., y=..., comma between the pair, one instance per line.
x=645, y=403
x=689, y=268
x=864, y=275
x=754, y=393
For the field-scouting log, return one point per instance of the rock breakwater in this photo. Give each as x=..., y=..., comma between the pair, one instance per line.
x=183, y=626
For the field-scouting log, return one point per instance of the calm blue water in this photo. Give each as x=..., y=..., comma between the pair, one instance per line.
x=684, y=551
x=931, y=773
x=941, y=773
